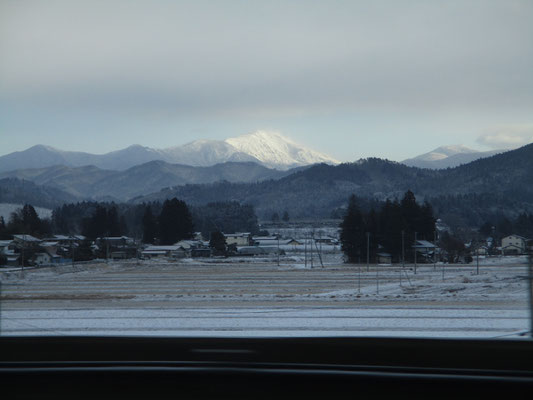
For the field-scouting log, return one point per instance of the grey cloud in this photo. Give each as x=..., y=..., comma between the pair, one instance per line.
x=267, y=57
x=507, y=137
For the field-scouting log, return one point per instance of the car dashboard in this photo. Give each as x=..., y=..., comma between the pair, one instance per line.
x=261, y=368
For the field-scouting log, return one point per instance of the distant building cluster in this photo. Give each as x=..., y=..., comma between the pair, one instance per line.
x=27, y=250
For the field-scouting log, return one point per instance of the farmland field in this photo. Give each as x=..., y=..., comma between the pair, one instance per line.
x=245, y=297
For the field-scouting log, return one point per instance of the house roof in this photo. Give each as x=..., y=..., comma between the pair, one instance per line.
x=517, y=236
x=424, y=244
x=62, y=237
x=26, y=238
x=163, y=248
x=187, y=244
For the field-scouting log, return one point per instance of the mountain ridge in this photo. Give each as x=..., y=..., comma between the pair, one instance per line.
x=506, y=178
x=448, y=157
x=278, y=152
x=91, y=182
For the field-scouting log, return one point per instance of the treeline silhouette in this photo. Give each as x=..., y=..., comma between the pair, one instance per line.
x=388, y=230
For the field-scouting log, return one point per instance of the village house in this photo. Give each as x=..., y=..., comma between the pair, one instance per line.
x=238, y=239
x=26, y=241
x=172, y=251
x=425, y=251
x=4, y=246
x=258, y=251
x=42, y=258
x=384, y=258
x=514, y=244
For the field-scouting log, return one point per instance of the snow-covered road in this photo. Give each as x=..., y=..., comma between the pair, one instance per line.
x=284, y=321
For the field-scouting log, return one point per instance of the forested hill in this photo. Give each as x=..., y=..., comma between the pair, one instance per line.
x=90, y=182
x=318, y=190
x=20, y=191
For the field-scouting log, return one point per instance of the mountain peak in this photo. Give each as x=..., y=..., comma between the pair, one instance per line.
x=443, y=152
x=271, y=149
x=275, y=150
x=447, y=157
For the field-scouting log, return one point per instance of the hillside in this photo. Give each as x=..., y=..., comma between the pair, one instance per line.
x=314, y=192
x=93, y=183
x=19, y=191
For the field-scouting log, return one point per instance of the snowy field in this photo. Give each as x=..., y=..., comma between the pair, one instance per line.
x=245, y=297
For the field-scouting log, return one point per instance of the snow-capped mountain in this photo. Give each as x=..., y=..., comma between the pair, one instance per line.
x=277, y=151
x=448, y=157
x=205, y=153
x=266, y=148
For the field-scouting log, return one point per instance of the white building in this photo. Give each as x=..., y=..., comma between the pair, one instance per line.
x=514, y=244
x=239, y=238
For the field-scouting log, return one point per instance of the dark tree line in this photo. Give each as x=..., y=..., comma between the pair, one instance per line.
x=173, y=224
x=227, y=217
x=384, y=229
x=24, y=220
x=153, y=222
x=503, y=226
x=104, y=221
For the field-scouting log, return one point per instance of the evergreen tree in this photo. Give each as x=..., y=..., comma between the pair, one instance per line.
x=391, y=226
x=453, y=247
x=175, y=222
x=112, y=222
x=275, y=217
x=285, y=217
x=371, y=221
x=149, y=223
x=96, y=225
x=353, y=232
x=426, y=222
x=25, y=220
x=3, y=229
x=217, y=242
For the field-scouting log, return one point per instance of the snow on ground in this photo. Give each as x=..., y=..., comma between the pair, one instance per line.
x=258, y=297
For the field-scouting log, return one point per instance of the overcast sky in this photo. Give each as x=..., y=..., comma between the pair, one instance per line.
x=353, y=79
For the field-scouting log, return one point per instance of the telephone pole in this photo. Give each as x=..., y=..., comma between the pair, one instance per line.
x=414, y=247
x=434, y=250
x=368, y=252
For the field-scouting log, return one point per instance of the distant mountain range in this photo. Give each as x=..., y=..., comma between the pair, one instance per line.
x=448, y=157
x=90, y=182
x=269, y=149
x=497, y=185
x=500, y=184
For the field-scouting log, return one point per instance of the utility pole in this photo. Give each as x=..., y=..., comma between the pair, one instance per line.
x=359, y=280
x=312, y=240
x=377, y=279
x=305, y=250
x=434, y=250
x=403, y=248
x=403, y=258
x=477, y=260
x=23, y=245
x=414, y=247
x=319, y=252
x=278, y=247
x=367, y=251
